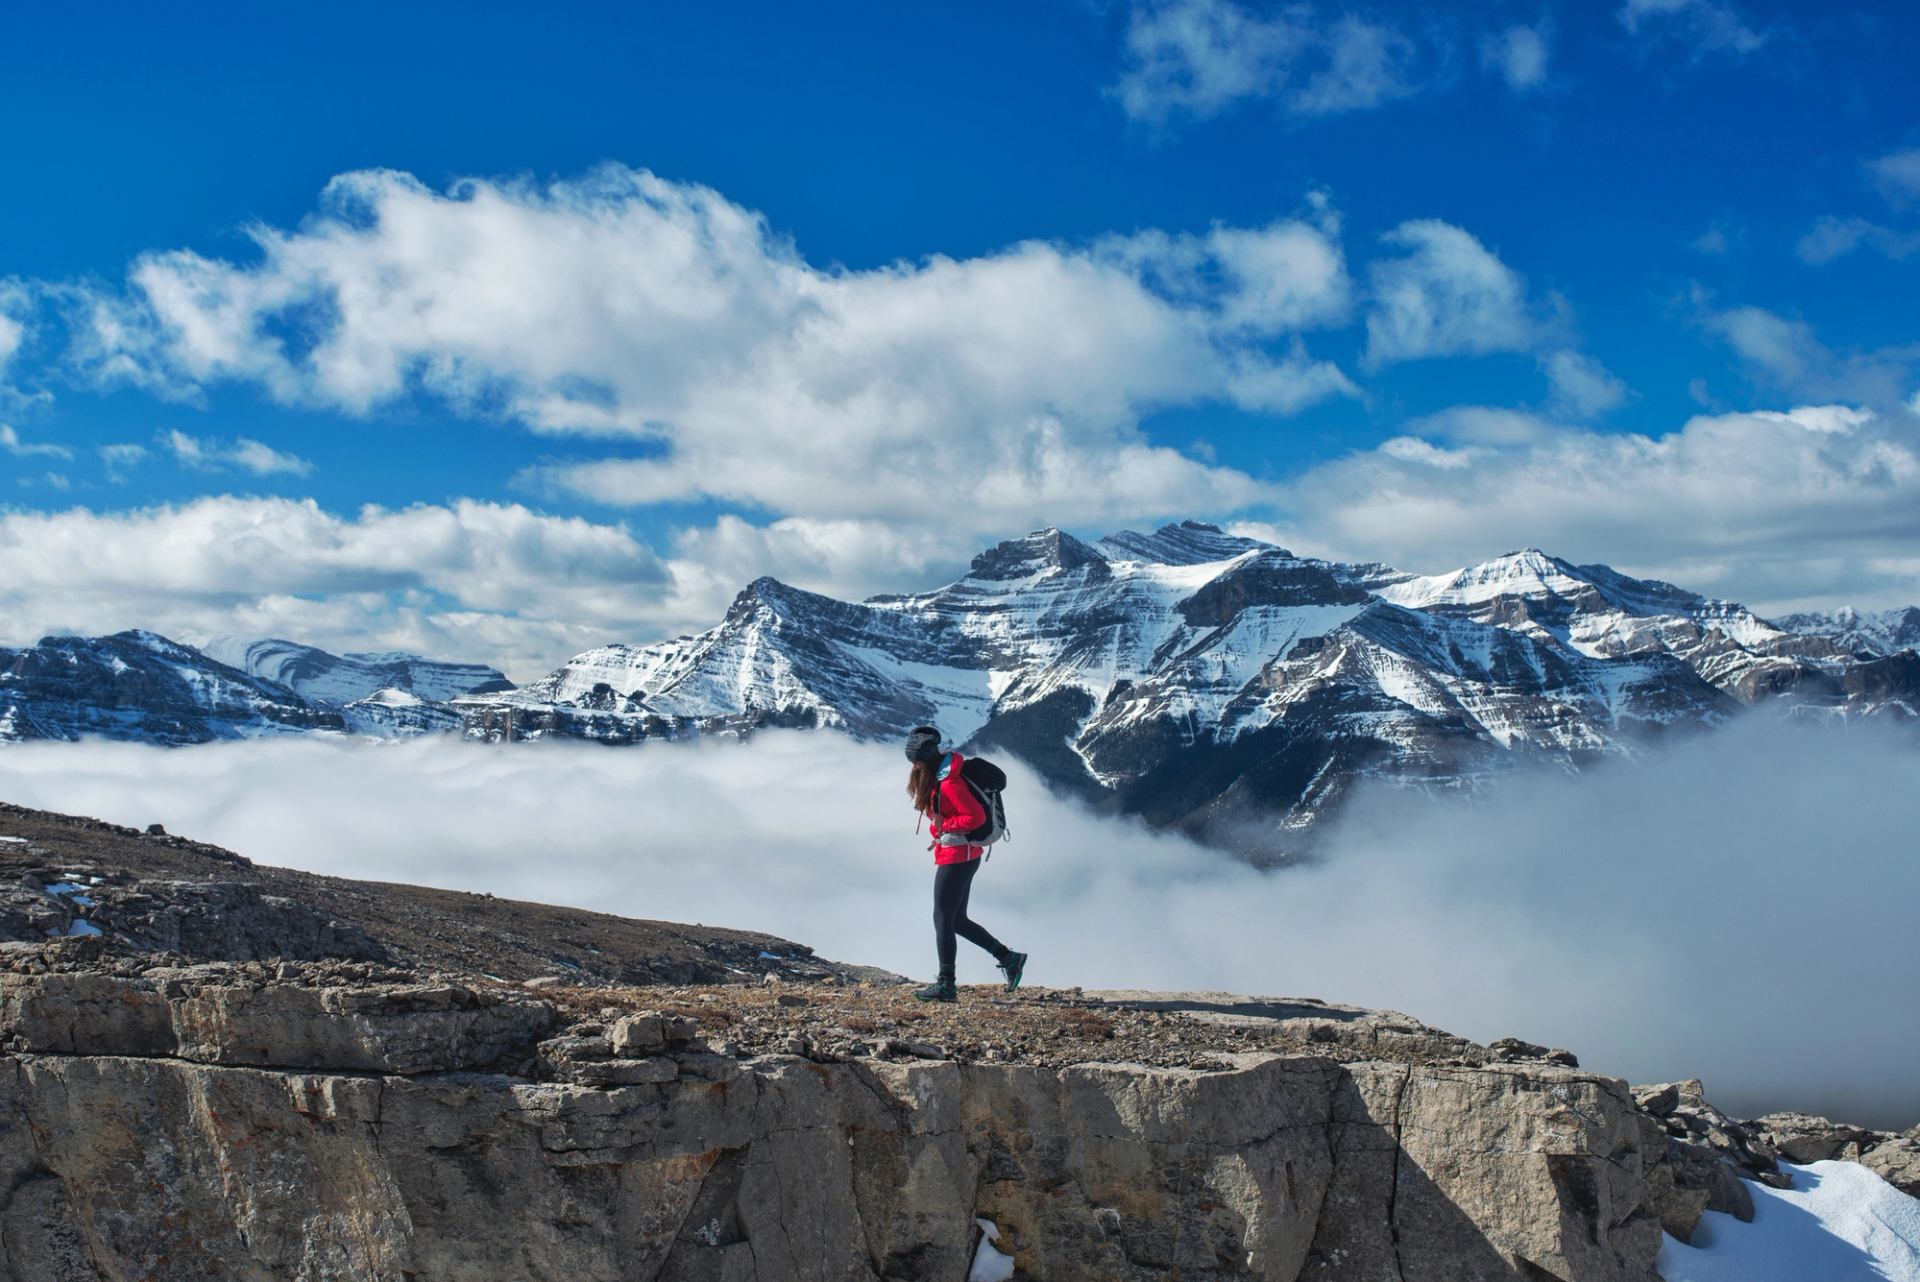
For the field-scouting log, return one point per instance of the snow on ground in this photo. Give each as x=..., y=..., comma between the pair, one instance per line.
x=989, y=1264
x=1838, y=1223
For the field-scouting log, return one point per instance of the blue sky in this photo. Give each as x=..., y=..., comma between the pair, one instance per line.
x=1633, y=282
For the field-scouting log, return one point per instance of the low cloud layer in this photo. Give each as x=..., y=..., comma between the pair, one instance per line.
x=1739, y=910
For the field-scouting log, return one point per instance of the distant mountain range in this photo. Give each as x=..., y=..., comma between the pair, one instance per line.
x=1207, y=682
x=144, y=687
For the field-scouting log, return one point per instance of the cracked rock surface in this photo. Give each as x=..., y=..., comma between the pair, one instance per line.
x=704, y=1104
x=313, y=1121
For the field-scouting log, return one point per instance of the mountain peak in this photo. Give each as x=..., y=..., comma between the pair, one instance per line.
x=1525, y=572
x=153, y=641
x=1181, y=543
x=765, y=590
x=1042, y=550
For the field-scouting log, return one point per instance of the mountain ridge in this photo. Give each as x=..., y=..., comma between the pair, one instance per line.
x=1201, y=680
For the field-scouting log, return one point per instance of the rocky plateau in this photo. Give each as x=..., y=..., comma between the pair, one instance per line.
x=219, y=1070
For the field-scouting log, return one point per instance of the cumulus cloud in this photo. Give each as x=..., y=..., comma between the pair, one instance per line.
x=246, y=455
x=1814, y=507
x=665, y=316
x=1519, y=54
x=10, y=442
x=1445, y=295
x=469, y=579
x=1198, y=57
x=1738, y=909
x=1704, y=26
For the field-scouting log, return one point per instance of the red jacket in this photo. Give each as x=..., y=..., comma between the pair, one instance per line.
x=955, y=809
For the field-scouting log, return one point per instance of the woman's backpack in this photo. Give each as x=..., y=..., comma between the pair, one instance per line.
x=988, y=782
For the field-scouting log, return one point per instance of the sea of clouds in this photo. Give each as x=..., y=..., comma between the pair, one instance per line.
x=1740, y=909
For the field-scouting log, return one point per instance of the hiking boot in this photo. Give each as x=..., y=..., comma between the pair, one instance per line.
x=940, y=990
x=1013, y=966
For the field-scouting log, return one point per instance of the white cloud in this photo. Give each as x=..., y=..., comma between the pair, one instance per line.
x=1697, y=849
x=119, y=459
x=1785, y=354
x=12, y=334
x=1367, y=63
x=1199, y=57
x=1412, y=449
x=10, y=442
x=1715, y=240
x=1708, y=26
x=1519, y=54
x=845, y=559
x=662, y=314
x=1815, y=507
x=1581, y=387
x=484, y=581
x=16, y=325
x=247, y=455
x=1446, y=295
x=1898, y=173
x=1785, y=349
x=1832, y=238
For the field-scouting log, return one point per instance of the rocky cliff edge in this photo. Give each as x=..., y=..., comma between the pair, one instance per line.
x=171, y=1116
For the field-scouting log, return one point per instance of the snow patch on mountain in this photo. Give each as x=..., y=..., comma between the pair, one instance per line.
x=1839, y=1222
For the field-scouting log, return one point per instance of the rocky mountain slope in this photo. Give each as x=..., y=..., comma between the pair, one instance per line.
x=1865, y=634
x=140, y=686
x=62, y=877
x=359, y=1107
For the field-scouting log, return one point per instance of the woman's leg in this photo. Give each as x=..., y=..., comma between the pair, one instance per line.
x=949, y=905
x=973, y=932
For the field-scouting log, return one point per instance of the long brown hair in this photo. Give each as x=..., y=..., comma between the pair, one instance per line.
x=920, y=786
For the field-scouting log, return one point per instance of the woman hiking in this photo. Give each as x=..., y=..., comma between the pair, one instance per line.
x=943, y=796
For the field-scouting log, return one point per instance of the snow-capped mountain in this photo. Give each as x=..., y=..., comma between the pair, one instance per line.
x=400, y=714
x=340, y=679
x=139, y=686
x=1861, y=633
x=1603, y=613
x=144, y=687
x=1211, y=682
x=1202, y=680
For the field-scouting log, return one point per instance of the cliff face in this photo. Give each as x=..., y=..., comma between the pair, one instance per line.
x=210, y=1121
x=211, y=1070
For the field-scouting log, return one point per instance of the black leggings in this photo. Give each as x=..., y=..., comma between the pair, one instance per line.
x=951, y=884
